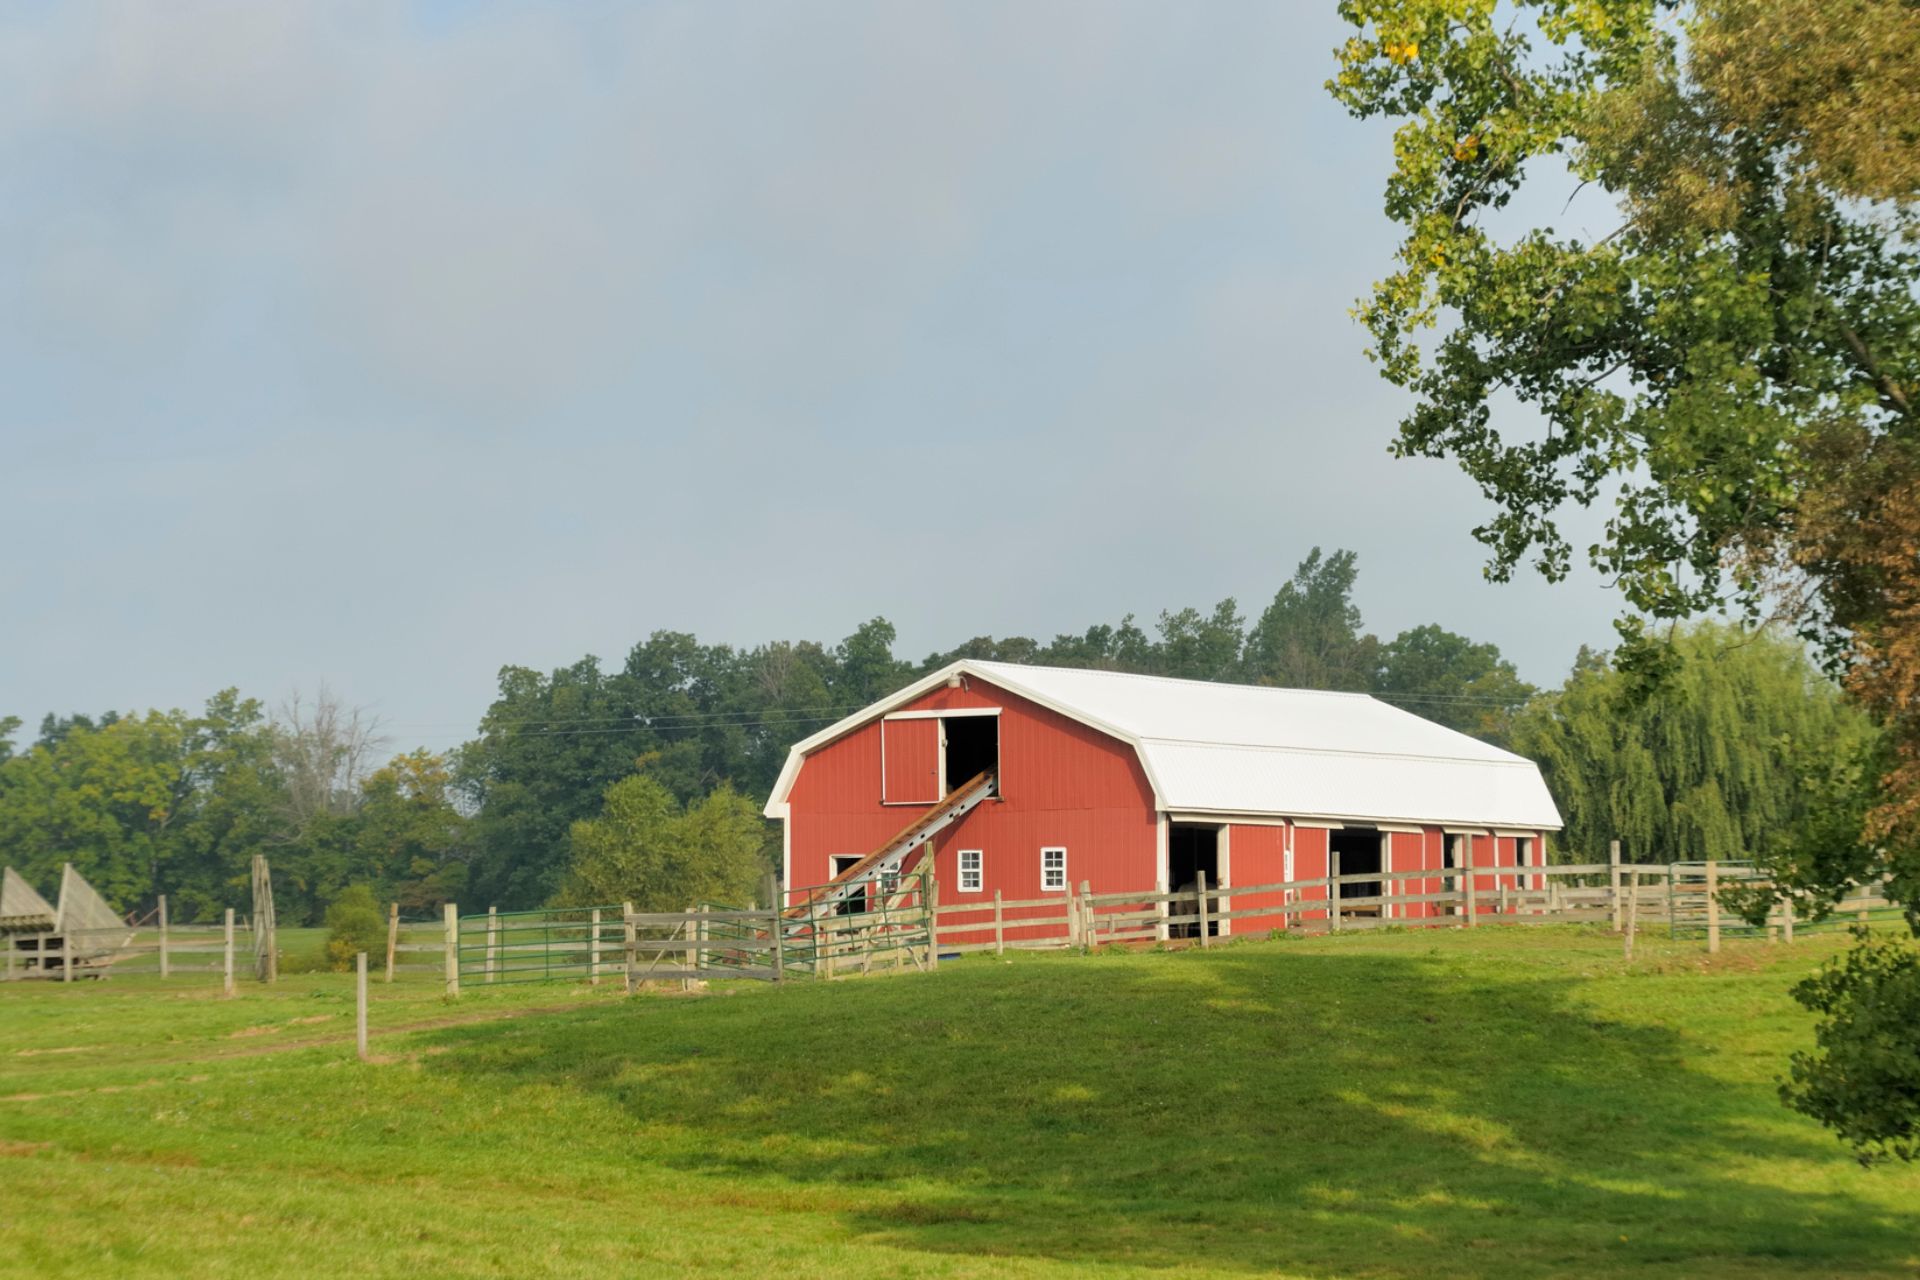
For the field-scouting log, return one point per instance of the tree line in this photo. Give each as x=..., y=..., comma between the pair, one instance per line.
x=645, y=782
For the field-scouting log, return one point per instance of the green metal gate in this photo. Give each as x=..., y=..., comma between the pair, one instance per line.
x=1687, y=899
x=556, y=945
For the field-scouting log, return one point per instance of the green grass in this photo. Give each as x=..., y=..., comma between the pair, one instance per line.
x=1507, y=1102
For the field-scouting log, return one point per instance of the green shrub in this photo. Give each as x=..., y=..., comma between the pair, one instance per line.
x=354, y=924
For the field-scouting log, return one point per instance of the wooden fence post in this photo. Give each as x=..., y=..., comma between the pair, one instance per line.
x=999, y=926
x=776, y=937
x=1613, y=881
x=1333, y=889
x=493, y=942
x=66, y=959
x=688, y=959
x=1786, y=922
x=1089, y=933
x=933, y=915
x=814, y=937
x=165, y=969
x=630, y=938
x=360, y=988
x=450, y=928
x=393, y=935
x=593, y=950
x=1713, y=905
x=227, y=960
x=1632, y=915
x=1473, y=889
x=1200, y=903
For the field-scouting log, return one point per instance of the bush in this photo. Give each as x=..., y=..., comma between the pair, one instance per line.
x=1863, y=1080
x=354, y=924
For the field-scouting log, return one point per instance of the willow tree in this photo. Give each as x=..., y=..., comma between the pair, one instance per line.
x=1724, y=758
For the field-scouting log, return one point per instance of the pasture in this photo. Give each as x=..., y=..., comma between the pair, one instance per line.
x=1510, y=1102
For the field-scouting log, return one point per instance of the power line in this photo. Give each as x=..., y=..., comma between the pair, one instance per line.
x=626, y=729
x=641, y=720
x=776, y=717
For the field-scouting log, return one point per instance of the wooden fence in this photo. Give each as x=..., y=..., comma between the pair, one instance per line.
x=88, y=954
x=905, y=927
x=1606, y=892
x=1365, y=900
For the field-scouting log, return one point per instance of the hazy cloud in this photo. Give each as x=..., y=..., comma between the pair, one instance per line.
x=388, y=344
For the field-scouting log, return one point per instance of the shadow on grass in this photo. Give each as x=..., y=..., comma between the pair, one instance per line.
x=1257, y=1108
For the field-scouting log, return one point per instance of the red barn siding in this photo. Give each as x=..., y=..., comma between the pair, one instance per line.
x=1061, y=784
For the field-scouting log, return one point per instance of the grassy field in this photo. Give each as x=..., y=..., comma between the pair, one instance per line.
x=1508, y=1102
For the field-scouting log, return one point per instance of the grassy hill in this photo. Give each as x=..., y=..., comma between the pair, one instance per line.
x=1507, y=1102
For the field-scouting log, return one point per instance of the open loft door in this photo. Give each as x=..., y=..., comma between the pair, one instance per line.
x=924, y=757
x=969, y=746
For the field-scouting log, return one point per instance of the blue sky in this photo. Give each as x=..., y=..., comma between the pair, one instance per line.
x=384, y=346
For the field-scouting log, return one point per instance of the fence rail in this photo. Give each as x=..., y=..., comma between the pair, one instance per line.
x=902, y=925
x=1445, y=897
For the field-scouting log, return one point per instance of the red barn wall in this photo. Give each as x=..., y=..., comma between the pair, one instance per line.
x=1061, y=783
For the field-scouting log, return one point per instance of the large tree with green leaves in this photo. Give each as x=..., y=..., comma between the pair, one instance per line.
x=1691, y=363
x=1733, y=364
x=644, y=847
x=165, y=802
x=1310, y=636
x=1448, y=678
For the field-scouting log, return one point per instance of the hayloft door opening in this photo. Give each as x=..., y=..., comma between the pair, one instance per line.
x=1191, y=849
x=972, y=748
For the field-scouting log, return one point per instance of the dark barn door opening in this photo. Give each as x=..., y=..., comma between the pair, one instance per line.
x=973, y=747
x=1359, y=850
x=856, y=901
x=1191, y=849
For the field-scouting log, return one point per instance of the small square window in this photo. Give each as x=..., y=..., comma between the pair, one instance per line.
x=1053, y=870
x=972, y=871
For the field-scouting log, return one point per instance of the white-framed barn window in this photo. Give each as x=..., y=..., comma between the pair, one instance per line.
x=1053, y=870
x=973, y=875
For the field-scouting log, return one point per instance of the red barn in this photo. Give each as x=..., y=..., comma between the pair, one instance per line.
x=1128, y=782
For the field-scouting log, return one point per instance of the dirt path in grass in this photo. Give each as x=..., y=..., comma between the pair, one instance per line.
x=308, y=1042
x=404, y=1028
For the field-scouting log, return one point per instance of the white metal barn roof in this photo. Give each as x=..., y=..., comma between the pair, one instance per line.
x=1245, y=749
